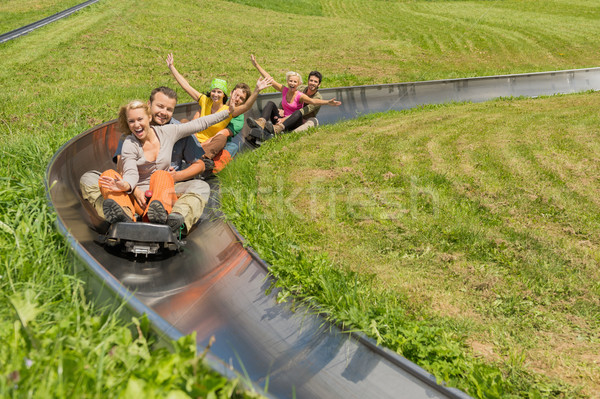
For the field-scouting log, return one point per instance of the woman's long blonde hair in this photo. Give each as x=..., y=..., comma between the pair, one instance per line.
x=122, y=121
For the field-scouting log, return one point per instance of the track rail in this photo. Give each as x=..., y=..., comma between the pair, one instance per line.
x=216, y=287
x=13, y=34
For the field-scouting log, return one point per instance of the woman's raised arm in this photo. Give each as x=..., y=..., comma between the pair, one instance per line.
x=195, y=94
x=277, y=86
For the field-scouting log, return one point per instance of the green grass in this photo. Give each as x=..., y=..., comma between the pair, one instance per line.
x=300, y=7
x=17, y=13
x=462, y=236
x=73, y=74
x=54, y=341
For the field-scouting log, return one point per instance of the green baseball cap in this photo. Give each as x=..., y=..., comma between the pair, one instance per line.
x=219, y=84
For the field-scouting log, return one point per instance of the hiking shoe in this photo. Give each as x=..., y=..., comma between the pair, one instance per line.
x=260, y=134
x=113, y=212
x=278, y=128
x=209, y=165
x=157, y=213
x=175, y=221
x=99, y=206
x=256, y=123
x=257, y=133
x=269, y=128
x=253, y=141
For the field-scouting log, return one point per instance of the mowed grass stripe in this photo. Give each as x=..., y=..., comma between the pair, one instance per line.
x=572, y=8
x=523, y=164
x=476, y=32
x=496, y=177
x=556, y=186
x=542, y=24
x=450, y=28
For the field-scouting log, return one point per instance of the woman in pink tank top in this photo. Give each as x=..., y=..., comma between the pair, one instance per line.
x=291, y=100
x=289, y=107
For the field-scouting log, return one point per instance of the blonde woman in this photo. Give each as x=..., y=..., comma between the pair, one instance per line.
x=292, y=100
x=146, y=158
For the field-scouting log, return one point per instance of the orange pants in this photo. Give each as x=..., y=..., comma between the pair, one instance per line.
x=214, y=145
x=221, y=160
x=161, y=185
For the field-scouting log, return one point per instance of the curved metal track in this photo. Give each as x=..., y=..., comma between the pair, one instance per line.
x=13, y=34
x=217, y=288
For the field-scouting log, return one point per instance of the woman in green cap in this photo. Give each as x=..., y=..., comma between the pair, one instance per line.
x=216, y=99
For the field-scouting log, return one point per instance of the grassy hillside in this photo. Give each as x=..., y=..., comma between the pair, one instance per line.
x=73, y=74
x=470, y=229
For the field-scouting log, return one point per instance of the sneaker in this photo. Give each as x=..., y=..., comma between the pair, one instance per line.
x=175, y=221
x=256, y=123
x=157, y=213
x=113, y=212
